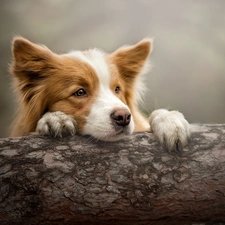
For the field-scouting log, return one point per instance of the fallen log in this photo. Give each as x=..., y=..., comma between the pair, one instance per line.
x=78, y=180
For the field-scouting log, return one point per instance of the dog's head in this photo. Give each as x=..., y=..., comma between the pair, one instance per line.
x=99, y=90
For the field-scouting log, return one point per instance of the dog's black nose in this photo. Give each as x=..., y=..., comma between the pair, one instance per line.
x=122, y=117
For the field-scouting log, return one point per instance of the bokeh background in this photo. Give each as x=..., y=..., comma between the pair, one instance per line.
x=188, y=60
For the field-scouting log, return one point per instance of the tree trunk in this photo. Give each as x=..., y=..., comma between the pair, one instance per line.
x=77, y=180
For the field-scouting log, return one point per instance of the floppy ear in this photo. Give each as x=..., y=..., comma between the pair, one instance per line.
x=132, y=60
x=29, y=67
x=29, y=59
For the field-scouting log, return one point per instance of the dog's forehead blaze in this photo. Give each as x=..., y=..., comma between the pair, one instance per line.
x=96, y=60
x=107, y=72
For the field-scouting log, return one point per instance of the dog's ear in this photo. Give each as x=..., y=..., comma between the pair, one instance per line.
x=132, y=60
x=30, y=60
x=31, y=65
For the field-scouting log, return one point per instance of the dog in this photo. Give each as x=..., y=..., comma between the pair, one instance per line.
x=88, y=92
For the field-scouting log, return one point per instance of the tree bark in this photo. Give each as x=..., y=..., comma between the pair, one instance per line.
x=77, y=180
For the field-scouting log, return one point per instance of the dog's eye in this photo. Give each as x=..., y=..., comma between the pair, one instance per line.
x=80, y=92
x=117, y=89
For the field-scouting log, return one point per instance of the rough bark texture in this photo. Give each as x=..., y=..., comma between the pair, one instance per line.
x=76, y=180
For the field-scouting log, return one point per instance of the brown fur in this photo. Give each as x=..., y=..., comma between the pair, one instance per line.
x=129, y=62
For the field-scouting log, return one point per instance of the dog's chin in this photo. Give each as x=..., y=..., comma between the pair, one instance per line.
x=112, y=137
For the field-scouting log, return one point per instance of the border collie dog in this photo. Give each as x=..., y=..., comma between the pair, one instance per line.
x=89, y=93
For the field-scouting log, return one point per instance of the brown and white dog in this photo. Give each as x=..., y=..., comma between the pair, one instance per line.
x=88, y=92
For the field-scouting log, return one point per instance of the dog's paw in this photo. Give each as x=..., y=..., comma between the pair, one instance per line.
x=170, y=128
x=56, y=124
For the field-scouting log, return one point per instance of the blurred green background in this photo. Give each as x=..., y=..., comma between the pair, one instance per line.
x=188, y=60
